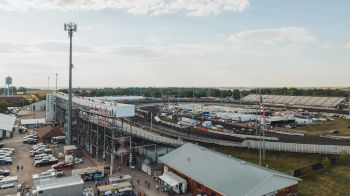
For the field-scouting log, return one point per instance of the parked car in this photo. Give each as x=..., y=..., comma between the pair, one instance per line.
x=6, y=154
x=30, y=141
x=8, y=149
x=77, y=161
x=5, y=157
x=4, y=172
x=44, y=162
x=5, y=162
x=38, y=144
x=62, y=165
x=31, y=136
x=38, y=147
x=42, y=156
x=40, y=151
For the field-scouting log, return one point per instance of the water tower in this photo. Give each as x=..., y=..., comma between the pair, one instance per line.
x=8, y=86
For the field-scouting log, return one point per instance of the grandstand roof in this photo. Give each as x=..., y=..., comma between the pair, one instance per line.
x=295, y=100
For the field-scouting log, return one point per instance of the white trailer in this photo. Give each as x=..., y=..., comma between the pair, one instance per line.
x=72, y=185
x=8, y=182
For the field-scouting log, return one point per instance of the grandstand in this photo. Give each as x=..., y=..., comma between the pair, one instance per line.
x=308, y=101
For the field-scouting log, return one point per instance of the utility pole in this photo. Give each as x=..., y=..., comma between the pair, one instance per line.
x=70, y=28
x=56, y=82
x=48, y=84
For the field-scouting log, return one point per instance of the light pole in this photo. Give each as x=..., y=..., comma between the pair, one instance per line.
x=70, y=28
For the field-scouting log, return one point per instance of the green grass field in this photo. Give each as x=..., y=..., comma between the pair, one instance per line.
x=332, y=181
x=339, y=123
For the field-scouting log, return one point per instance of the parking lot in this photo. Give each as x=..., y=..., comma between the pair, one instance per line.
x=22, y=157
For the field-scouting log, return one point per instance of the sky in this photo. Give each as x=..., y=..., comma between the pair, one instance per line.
x=190, y=43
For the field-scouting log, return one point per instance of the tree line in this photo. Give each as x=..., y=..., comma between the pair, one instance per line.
x=204, y=92
x=15, y=90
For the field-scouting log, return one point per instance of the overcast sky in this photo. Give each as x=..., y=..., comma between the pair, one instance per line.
x=177, y=42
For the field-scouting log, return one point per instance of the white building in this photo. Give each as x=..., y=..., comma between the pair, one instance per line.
x=50, y=107
x=6, y=125
x=33, y=123
x=38, y=106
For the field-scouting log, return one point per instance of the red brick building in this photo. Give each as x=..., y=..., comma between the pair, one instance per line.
x=212, y=173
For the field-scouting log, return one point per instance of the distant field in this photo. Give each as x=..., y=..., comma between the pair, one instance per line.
x=333, y=181
x=339, y=123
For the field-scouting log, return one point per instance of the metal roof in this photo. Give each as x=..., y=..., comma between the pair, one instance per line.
x=33, y=121
x=59, y=182
x=108, y=108
x=7, y=122
x=225, y=174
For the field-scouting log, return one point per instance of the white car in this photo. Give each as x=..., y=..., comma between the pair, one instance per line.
x=40, y=147
x=8, y=149
x=30, y=136
x=6, y=158
x=42, y=156
x=6, y=152
x=78, y=161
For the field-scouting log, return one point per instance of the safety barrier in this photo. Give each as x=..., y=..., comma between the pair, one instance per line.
x=297, y=147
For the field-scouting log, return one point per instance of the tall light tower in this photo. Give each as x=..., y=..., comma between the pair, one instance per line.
x=70, y=28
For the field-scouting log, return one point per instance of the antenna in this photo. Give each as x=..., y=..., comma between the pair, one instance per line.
x=70, y=28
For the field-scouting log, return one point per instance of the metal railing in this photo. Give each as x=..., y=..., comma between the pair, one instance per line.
x=297, y=147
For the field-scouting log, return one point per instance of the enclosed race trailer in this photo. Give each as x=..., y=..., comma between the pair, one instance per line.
x=72, y=185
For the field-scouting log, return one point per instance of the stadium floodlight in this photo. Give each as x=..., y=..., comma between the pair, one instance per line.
x=70, y=28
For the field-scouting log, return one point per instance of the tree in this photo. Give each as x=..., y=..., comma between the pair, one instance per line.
x=3, y=106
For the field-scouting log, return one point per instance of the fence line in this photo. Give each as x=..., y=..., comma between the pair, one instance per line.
x=296, y=147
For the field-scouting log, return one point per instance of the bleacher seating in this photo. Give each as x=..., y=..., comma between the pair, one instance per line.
x=295, y=100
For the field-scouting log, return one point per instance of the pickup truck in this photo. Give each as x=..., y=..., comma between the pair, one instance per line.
x=40, y=151
x=62, y=165
x=44, y=162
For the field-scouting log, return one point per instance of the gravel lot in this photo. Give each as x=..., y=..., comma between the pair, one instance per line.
x=22, y=157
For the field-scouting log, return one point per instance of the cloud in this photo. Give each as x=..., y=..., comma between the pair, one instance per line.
x=328, y=45
x=50, y=46
x=347, y=45
x=162, y=51
x=150, y=7
x=288, y=35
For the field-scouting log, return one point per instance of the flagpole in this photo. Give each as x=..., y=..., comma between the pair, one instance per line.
x=258, y=129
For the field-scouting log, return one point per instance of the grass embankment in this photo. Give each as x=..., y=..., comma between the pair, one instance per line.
x=339, y=124
x=332, y=181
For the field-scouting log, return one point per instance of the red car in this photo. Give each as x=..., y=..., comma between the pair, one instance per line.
x=62, y=165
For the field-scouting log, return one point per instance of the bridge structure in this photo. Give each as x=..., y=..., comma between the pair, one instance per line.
x=99, y=126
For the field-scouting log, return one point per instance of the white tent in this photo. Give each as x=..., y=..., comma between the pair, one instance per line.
x=176, y=182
